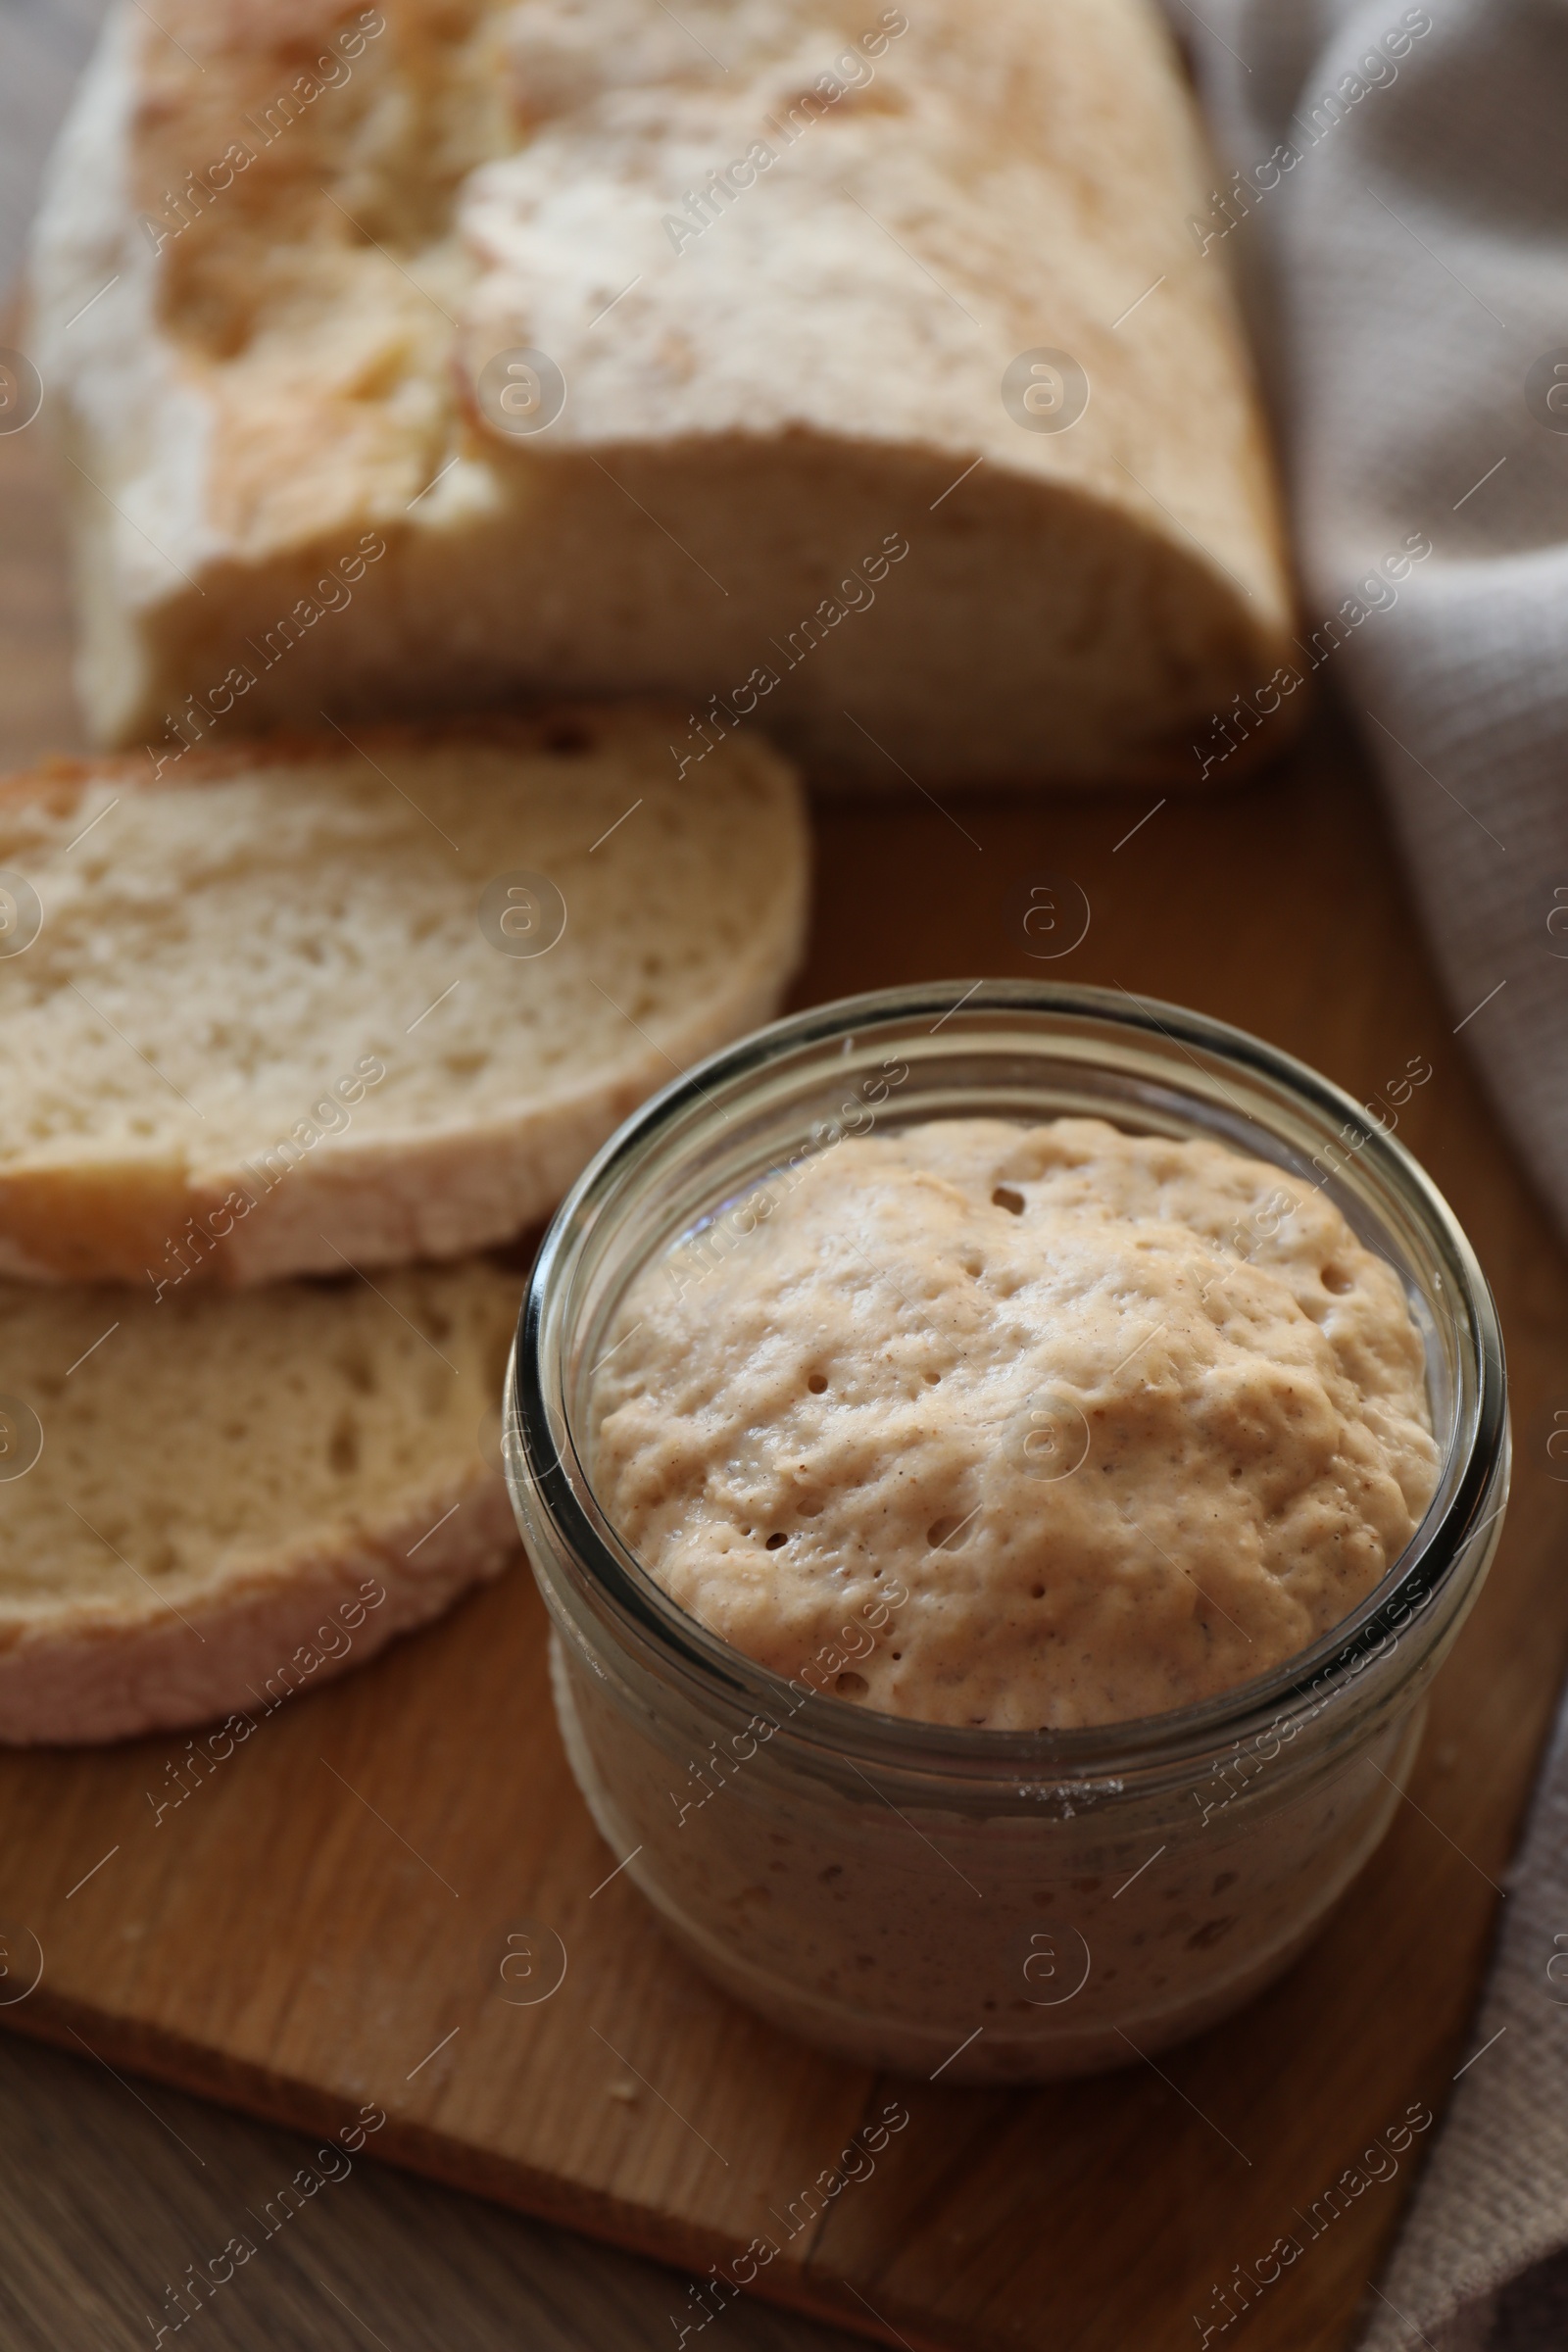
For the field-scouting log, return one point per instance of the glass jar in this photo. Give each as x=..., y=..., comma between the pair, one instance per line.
x=979, y=1905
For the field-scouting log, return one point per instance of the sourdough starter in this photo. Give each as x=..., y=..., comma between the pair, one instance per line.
x=1011, y=1428
x=1131, y=1420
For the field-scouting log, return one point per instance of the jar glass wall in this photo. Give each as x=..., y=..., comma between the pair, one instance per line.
x=996, y=1905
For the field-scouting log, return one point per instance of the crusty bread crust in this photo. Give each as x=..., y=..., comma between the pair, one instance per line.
x=386, y=1198
x=283, y=355
x=98, y=1673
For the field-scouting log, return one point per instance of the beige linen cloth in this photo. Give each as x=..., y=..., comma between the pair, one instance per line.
x=1401, y=225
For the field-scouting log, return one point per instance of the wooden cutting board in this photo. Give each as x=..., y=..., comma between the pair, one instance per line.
x=321, y=1925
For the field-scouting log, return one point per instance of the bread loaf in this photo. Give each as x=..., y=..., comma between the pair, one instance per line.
x=216, y=1503
x=352, y=1001
x=828, y=367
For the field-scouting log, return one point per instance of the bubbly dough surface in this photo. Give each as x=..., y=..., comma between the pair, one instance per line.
x=1127, y=1420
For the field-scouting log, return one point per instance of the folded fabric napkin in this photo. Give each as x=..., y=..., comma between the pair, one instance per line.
x=1394, y=194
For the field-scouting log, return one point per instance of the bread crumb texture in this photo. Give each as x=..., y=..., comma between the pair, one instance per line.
x=1129, y=1420
x=200, y=1452
x=298, y=941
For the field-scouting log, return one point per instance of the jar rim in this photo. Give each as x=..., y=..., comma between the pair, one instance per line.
x=540, y=1467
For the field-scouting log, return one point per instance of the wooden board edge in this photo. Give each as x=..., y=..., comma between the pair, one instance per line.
x=297, y=2105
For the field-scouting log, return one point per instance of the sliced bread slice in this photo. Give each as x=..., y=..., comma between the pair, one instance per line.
x=312, y=1005
x=212, y=1504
